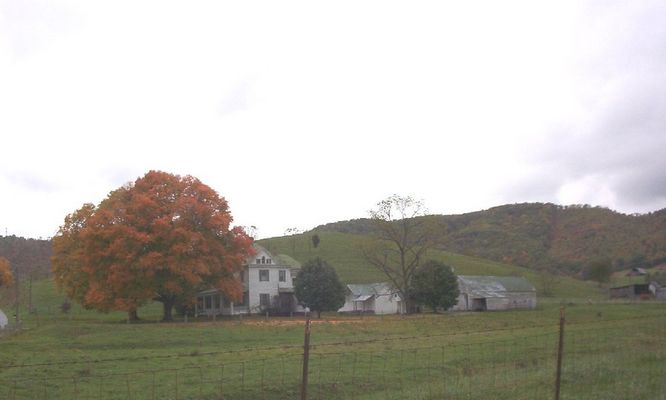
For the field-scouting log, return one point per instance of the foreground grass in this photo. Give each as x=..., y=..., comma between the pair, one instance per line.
x=613, y=351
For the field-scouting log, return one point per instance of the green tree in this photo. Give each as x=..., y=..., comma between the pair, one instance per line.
x=318, y=287
x=548, y=279
x=598, y=270
x=434, y=284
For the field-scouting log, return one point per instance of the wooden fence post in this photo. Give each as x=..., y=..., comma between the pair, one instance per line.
x=306, y=357
x=560, y=354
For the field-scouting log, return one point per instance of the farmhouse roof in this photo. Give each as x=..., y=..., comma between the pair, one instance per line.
x=493, y=286
x=370, y=289
x=284, y=259
x=279, y=261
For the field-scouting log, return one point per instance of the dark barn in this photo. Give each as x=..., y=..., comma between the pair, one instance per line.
x=633, y=291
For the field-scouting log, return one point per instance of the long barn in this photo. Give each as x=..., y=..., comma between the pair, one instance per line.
x=481, y=293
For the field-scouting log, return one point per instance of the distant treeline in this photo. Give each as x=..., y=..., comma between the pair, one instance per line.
x=30, y=257
x=538, y=235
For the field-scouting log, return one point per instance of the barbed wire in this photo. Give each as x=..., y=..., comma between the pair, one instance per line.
x=517, y=368
x=331, y=344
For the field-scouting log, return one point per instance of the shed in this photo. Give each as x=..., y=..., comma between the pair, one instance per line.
x=657, y=290
x=3, y=320
x=481, y=293
x=660, y=293
x=636, y=271
x=375, y=298
x=632, y=291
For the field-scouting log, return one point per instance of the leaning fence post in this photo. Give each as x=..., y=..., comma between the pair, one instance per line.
x=306, y=357
x=560, y=353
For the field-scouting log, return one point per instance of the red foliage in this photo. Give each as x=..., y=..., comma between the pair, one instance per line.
x=6, y=277
x=164, y=237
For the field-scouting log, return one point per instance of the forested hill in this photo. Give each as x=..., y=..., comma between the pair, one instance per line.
x=540, y=235
x=28, y=256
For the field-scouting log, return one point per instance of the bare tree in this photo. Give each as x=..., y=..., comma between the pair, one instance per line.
x=251, y=231
x=404, y=237
x=548, y=279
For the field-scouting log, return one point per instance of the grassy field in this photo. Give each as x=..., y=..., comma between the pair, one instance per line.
x=343, y=251
x=509, y=355
x=613, y=350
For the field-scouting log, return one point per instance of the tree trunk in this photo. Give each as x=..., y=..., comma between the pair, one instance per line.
x=318, y=314
x=132, y=315
x=167, y=305
x=409, y=305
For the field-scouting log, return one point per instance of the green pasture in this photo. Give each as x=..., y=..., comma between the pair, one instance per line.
x=85, y=355
x=343, y=251
x=613, y=350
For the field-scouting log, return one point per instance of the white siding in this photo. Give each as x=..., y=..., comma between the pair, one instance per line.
x=386, y=304
x=271, y=287
x=254, y=287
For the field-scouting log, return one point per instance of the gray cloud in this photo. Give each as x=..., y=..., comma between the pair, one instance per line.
x=620, y=140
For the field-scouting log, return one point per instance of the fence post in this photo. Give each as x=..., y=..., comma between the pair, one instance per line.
x=306, y=357
x=560, y=353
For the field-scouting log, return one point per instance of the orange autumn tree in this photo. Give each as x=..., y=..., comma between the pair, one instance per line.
x=6, y=277
x=163, y=237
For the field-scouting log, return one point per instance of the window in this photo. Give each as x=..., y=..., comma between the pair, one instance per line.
x=269, y=261
x=263, y=259
x=282, y=277
x=263, y=275
x=208, y=302
x=264, y=299
x=258, y=260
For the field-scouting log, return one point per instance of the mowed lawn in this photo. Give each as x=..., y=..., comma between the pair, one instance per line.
x=511, y=354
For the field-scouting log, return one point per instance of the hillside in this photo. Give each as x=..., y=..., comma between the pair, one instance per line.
x=343, y=251
x=28, y=256
x=545, y=235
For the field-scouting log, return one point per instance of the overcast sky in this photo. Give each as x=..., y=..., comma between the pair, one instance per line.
x=303, y=113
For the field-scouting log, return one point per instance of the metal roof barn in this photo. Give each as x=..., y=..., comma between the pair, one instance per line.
x=481, y=293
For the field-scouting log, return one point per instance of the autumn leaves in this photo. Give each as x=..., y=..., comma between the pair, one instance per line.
x=163, y=237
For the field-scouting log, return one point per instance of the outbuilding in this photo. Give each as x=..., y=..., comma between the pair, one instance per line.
x=633, y=291
x=373, y=298
x=481, y=293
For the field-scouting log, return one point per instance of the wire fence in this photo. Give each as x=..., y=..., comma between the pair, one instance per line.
x=621, y=359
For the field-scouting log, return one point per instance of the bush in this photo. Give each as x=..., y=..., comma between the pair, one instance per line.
x=434, y=284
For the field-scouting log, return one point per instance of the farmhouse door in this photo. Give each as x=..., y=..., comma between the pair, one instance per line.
x=286, y=302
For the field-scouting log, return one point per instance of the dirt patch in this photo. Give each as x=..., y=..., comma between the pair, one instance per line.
x=290, y=322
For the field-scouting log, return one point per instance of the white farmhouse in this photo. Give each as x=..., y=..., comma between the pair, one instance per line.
x=267, y=285
x=374, y=298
